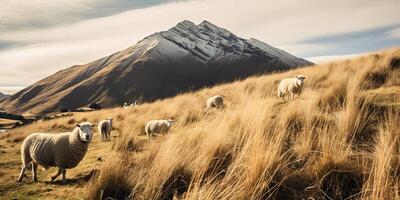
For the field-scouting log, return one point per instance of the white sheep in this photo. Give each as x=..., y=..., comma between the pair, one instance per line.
x=64, y=150
x=105, y=127
x=216, y=101
x=133, y=104
x=291, y=86
x=158, y=126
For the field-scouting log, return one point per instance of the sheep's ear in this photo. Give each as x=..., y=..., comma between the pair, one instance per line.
x=77, y=124
x=93, y=125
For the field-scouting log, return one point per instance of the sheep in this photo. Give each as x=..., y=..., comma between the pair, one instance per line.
x=291, y=86
x=64, y=150
x=133, y=104
x=216, y=101
x=126, y=105
x=104, y=128
x=158, y=126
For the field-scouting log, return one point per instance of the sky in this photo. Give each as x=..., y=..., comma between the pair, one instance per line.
x=41, y=37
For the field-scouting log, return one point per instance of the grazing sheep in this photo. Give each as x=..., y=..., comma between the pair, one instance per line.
x=126, y=106
x=158, y=126
x=291, y=86
x=104, y=128
x=216, y=101
x=64, y=150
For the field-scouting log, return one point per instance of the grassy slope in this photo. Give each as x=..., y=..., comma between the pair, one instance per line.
x=336, y=140
x=7, y=123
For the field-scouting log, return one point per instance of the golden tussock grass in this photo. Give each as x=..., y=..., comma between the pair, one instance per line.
x=338, y=140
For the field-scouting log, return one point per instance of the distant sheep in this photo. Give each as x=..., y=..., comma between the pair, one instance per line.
x=291, y=86
x=105, y=127
x=64, y=150
x=215, y=101
x=134, y=104
x=158, y=126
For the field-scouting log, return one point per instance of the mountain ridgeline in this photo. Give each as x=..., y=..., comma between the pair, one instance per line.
x=3, y=96
x=183, y=58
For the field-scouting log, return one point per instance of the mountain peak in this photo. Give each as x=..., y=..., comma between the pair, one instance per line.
x=204, y=26
x=207, y=23
x=189, y=23
x=186, y=23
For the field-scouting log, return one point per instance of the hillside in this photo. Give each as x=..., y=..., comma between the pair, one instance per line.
x=339, y=140
x=3, y=96
x=184, y=58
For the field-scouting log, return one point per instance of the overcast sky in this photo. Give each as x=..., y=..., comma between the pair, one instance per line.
x=40, y=37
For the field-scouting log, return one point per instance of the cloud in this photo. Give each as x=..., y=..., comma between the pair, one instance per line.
x=325, y=59
x=279, y=22
x=287, y=24
x=16, y=15
x=36, y=14
x=350, y=43
x=395, y=33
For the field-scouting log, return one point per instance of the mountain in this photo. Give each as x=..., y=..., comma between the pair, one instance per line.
x=185, y=57
x=2, y=96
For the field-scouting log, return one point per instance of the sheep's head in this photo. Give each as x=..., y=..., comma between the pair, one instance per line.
x=300, y=79
x=85, y=131
x=171, y=120
x=110, y=119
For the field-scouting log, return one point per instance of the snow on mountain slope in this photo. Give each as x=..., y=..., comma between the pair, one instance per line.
x=208, y=43
x=282, y=55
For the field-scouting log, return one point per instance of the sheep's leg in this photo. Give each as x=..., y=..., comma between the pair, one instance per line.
x=34, y=171
x=283, y=97
x=64, y=171
x=291, y=96
x=55, y=176
x=22, y=174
